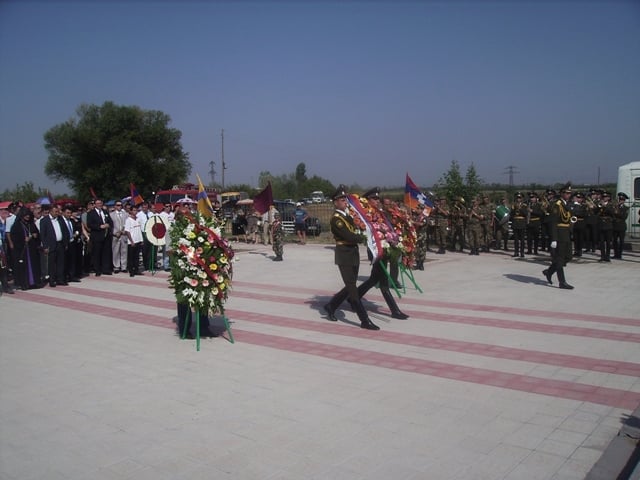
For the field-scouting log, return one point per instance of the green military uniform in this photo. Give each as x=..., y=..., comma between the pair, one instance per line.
x=486, y=223
x=519, y=214
x=441, y=216
x=474, y=229
x=536, y=214
x=620, y=214
x=458, y=220
x=347, y=259
x=605, y=227
x=277, y=233
x=420, y=223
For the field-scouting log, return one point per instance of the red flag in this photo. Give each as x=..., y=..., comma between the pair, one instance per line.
x=136, y=198
x=263, y=200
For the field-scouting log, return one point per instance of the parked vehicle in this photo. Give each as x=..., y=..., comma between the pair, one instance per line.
x=287, y=215
x=317, y=197
x=629, y=183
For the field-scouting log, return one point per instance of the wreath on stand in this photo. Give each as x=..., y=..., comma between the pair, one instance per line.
x=201, y=265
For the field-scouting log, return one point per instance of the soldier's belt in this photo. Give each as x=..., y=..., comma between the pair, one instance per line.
x=564, y=224
x=347, y=244
x=519, y=217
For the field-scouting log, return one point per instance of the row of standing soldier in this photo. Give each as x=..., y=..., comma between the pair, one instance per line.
x=599, y=224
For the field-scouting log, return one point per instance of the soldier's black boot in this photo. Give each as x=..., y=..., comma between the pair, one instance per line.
x=548, y=273
x=393, y=306
x=335, y=303
x=365, y=322
x=562, y=282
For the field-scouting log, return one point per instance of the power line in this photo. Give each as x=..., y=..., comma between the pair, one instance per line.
x=511, y=171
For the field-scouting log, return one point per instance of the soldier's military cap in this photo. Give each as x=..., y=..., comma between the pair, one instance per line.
x=518, y=195
x=623, y=195
x=566, y=188
x=606, y=194
x=373, y=193
x=550, y=191
x=341, y=192
x=533, y=195
x=579, y=195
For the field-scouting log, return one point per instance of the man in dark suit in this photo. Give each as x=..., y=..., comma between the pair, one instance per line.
x=71, y=233
x=99, y=224
x=348, y=260
x=53, y=244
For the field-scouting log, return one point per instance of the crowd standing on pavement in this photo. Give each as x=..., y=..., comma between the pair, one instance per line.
x=53, y=245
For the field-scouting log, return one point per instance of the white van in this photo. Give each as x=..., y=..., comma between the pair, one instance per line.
x=629, y=183
x=317, y=197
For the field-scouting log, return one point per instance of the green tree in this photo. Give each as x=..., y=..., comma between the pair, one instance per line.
x=451, y=184
x=301, y=173
x=26, y=193
x=473, y=183
x=108, y=147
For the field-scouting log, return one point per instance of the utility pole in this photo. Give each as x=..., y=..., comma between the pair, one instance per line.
x=511, y=170
x=224, y=165
x=212, y=172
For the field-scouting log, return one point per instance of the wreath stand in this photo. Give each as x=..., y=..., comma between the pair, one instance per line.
x=404, y=272
x=195, y=316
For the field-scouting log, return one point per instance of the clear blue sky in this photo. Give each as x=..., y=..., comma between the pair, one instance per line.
x=361, y=92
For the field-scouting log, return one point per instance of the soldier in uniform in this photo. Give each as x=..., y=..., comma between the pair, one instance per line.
x=378, y=267
x=486, y=222
x=502, y=229
x=348, y=260
x=579, y=211
x=560, y=223
x=592, y=238
x=519, y=215
x=458, y=220
x=441, y=216
x=605, y=227
x=536, y=214
x=419, y=220
x=277, y=233
x=474, y=230
x=545, y=232
x=621, y=213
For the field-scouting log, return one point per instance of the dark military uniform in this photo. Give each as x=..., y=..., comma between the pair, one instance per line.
x=620, y=215
x=519, y=215
x=420, y=224
x=545, y=231
x=536, y=214
x=441, y=216
x=474, y=229
x=579, y=211
x=592, y=238
x=560, y=230
x=605, y=227
x=486, y=223
x=502, y=228
x=348, y=260
x=458, y=220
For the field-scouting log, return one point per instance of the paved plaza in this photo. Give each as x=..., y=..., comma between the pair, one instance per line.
x=496, y=375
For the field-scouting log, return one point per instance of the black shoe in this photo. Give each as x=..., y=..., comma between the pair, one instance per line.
x=399, y=315
x=98, y=274
x=116, y=271
x=547, y=274
x=330, y=313
x=132, y=274
x=52, y=284
x=64, y=284
x=10, y=291
x=566, y=286
x=75, y=280
x=106, y=273
x=369, y=325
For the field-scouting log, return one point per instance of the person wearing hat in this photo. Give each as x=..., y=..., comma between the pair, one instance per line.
x=379, y=268
x=277, y=234
x=548, y=200
x=441, y=216
x=620, y=214
x=348, y=260
x=560, y=223
x=592, y=202
x=579, y=211
x=501, y=226
x=300, y=223
x=519, y=219
x=605, y=227
x=536, y=214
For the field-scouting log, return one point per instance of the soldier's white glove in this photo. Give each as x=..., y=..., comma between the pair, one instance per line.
x=554, y=244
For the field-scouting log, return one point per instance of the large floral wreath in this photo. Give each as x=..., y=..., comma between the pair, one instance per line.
x=201, y=268
x=393, y=235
